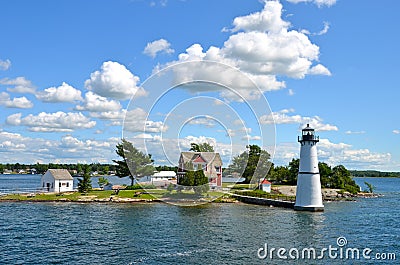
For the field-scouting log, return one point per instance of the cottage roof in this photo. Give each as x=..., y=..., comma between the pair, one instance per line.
x=209, y=157
x=60, y=174
x=165, y=174
x=265, y=182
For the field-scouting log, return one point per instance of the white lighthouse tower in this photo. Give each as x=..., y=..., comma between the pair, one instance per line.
x=308, y=194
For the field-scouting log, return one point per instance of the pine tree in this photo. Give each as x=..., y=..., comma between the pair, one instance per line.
x=85, y=183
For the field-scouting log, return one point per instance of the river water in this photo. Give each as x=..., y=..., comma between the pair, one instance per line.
x=158, y=233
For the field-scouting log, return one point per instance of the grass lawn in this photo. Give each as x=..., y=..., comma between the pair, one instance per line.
x=105, y=195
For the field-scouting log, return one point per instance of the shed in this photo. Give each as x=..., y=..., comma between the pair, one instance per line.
x=163, y=176
x=57, y=180
x=265, y=185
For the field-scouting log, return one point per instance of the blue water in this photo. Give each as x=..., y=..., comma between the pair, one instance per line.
x=157, y=233
x=22, y=182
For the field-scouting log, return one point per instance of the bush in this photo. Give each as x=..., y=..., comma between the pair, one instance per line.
x=351, y=189
x=139, y=187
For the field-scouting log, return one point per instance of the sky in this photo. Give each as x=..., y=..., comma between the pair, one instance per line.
x=77, y=76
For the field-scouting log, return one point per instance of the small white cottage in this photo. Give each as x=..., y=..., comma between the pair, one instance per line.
x=266, y=185
x=57, y=180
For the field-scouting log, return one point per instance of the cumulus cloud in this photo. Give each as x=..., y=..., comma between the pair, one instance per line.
x=63, y=93
x=136, y=120
x=4, y=65
x=158, y=46
x=18, y=85
x=96, y=103
x=319, y=3
x=67, y=149
x=114, y=81
x=263, y=47
x=282, y=117
x=20, y=103
x=52, y=122
x=337, y=154
x=396, y=131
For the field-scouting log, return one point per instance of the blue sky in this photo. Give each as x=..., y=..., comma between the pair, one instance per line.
x=68, y=70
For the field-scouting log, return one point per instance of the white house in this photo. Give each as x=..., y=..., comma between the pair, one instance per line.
x=265, y=185
x=57, y=180
x=163, y=176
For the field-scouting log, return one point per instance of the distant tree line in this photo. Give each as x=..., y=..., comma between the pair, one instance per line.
x=102, y=169
x=374, y=174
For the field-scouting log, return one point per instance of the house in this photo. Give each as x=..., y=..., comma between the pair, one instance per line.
x=209, y=162
x=265, y=185
x=57, y=180
x=163, y=176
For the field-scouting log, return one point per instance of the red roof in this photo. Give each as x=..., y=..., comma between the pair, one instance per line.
x=199, y=159
x=265, y=182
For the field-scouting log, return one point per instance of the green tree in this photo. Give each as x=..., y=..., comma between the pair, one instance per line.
x=200, y=182
x=134, y=164
x=170, y=188
x=293, y=171
x=85, y=183
x=325, y=172
x=371, y=187
x=279, y=174
x=188, y=179
x=103, y=182
x=341, y=179
x=203, y=147
x=253, y=164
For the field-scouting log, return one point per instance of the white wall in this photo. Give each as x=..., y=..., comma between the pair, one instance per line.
x=47, y=178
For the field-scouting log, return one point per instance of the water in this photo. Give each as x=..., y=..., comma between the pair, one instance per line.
x=32, y=182
x=157, y=233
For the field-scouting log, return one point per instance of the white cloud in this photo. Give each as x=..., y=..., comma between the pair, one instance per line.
x=68, y=149
x=337, y=154
x=319, y=70
x=357, y=132
x=282, y=117
x=262, y=47
x=251, y=138
x=158, y=46
x=20, y=85
x=114, y=81
x=63, y=93
x=136, y=120
x=269, y=19
x=396, y=131
x=4, y=65
x=96, y=103
x=319, y=3
x=20, y=103
x=52, y=122
x=290, y=92
x=206, y=121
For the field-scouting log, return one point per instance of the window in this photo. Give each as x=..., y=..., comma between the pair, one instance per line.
x=67, y=184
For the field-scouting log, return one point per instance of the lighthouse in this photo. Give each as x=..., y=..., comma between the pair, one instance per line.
x=308, y=193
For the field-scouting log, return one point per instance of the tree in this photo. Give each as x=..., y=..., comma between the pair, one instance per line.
x=85, y=183
x=279, y=174
x=135, y=164
x=371, y=187
x=200, y=182
x=252, y=164
x=325, y=172
x=170, y=188
x=203, y=147
x=103, y=182
x=293, y=171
